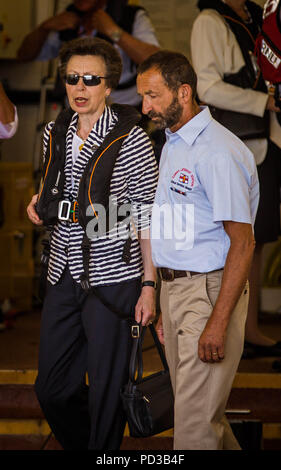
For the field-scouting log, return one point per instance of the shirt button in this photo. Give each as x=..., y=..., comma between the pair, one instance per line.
x=66, y=250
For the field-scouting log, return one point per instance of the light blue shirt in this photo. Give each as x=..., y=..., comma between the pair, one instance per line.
x=207, y=176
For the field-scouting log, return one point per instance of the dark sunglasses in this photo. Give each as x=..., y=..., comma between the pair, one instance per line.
x=88, y=80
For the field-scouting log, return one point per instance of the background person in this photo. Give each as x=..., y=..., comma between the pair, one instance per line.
x=8, y=116
x=222, y=46
x=208, y=186
x=127, y=27
x=80, y=332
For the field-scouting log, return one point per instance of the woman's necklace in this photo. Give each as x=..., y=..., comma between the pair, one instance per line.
x=79, y=135
x=82, y=145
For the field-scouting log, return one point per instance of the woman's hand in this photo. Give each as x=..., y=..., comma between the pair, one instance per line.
x=31, y=211
x=145, y=310
x=271, y=106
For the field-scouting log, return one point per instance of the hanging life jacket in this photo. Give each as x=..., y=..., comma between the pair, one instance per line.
x=268, y=43
x=94, y=186
x=268, y=48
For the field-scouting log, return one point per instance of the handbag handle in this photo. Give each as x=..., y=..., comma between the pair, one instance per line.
x=159, y=346
x=136, y=360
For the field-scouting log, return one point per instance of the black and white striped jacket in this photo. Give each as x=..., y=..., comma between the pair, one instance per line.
x=134, y=181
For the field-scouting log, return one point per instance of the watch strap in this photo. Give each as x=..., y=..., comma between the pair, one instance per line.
x=116, y=35
x=149, y=283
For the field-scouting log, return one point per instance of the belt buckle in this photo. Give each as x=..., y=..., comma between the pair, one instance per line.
x=64, y=210
x=170, y=274
x=135, y=331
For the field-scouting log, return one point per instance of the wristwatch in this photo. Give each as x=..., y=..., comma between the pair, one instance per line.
x=116, y=35
x=149, y=283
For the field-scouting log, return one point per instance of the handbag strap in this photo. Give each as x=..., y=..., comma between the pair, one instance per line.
x=159, y=346
x=136, y=362
x=136, y=359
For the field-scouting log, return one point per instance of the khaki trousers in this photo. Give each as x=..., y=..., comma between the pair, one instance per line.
x=201, y=389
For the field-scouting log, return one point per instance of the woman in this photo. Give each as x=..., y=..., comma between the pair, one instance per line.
x=80, y=331
x=222, y=45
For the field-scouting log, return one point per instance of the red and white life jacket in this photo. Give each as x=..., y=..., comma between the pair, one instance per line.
x=268, y=43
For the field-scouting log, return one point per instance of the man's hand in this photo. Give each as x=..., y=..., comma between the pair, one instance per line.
x=145, y=310
x=102, y=22
x=62, y=21
x=211, y=342
x=238, y=261
x=31, y=211
x=159, y=330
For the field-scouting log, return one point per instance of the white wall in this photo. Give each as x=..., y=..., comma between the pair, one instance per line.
x=21, y=76
x=172, y=21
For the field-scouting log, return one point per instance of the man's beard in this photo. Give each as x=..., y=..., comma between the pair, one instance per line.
x=170, y=117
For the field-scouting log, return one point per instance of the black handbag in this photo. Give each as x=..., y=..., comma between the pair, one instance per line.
x=148, y=401
x=243, y=125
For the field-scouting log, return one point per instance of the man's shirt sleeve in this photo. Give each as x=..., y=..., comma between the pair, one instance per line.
x=228, y=183
x=50, y=48
x=143, y=28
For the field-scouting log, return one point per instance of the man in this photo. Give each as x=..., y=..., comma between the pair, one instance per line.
x=127, y=27
x=202, y=243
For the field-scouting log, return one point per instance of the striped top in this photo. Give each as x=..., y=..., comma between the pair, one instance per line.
x=134, y=182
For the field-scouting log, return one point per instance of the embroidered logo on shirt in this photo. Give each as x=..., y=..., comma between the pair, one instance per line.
x=182, y=181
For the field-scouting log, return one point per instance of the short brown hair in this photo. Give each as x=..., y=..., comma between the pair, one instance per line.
x=174, y=67
x=95, y=47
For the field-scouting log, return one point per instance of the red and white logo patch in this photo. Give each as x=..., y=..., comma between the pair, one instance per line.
x=182, y=181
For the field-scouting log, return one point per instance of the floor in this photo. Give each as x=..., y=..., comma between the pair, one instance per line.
x=19, y=344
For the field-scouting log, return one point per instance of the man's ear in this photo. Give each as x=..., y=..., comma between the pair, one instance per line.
x=185, y=93
x=107, y=92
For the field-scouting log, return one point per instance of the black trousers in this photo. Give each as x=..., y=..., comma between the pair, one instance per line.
x=267, y=224
x=78, y=335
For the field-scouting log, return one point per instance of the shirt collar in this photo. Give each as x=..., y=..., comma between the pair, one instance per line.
x=191, y=130
x=103, y=125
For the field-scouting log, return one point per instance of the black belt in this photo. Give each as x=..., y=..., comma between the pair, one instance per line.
x=168, y=275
